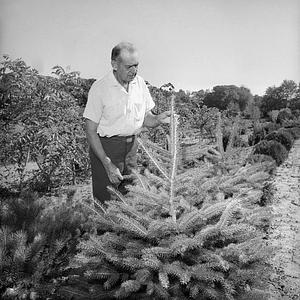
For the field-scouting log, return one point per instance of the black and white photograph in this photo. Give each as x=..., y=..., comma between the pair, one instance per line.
x=150, y=149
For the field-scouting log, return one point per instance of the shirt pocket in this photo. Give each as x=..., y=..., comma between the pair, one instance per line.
x=113, y=111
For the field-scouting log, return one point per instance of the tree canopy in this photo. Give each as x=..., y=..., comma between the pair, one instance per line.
x=280, y=97
x=228, y=96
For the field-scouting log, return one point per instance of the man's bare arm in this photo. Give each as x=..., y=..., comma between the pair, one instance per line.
x=151, y=120
x=93, y=139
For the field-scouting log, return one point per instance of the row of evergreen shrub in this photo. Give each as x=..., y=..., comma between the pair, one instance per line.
x=237, y=141
x=294, y=131
x=283, y=115
x=38, y=237
x=261, y=131
x=282, y=136
x=272, y=148
x=277, y=143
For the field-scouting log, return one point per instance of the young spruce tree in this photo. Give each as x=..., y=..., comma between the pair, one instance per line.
x=179, y=233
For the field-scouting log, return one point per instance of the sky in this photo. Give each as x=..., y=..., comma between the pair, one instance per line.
x=194, y=44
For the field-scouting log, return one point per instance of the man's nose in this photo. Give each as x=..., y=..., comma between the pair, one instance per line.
x=134, y=69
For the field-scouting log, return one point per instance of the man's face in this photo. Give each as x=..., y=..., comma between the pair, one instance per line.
x=126, y=66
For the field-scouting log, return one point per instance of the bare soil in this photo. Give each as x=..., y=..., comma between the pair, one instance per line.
x=285, y=229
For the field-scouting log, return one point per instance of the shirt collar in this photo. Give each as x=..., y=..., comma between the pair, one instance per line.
x=115, y=82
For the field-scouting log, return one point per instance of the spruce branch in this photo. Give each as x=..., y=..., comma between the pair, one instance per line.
x=130, y=211
x=127, y=288
x=142, y=275
x=151, y=261
x=182, y=244
x=156, y=163
x=161, y=252
x=132, y=263
x=115, y=192
x=103, y=218
x=131, y=225
x=160, y=292
x=163, y=279
x=180, y=270
x=141, y=180
x=162, y=228
x=232, y=207
x=164, y=154
x=157, y=181
x=111, y=281
x=150, y=199
x=91, y=274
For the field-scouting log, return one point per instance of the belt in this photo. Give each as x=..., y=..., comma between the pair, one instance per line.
x=127, y=139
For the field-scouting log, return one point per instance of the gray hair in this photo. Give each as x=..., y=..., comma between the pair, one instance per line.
x=121, y=46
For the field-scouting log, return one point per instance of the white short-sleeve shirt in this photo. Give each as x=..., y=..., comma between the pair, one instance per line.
x=117, y=111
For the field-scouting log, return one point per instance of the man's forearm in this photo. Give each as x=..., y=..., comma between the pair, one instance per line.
x=95, y=144
x=112, y=171
x=151, y=120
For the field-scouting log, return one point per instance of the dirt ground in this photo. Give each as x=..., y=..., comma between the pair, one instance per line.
x=285, y=229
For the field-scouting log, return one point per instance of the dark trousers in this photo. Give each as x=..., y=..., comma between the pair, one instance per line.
x=122, y=152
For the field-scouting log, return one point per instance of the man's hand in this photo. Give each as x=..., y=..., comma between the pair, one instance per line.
x=113, y=172
x=156, y=120
x=164, y=118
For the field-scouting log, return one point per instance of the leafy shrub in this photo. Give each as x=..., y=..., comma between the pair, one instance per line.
x=261, y=158
x=270, y=127
x=268, y=194
x=272, y=148
x=273, y=114
x=283, y=115
x=231, y=131
x=260, y=131
x=257, y=136
x=43, y=125
x=281, y=136
x=294, y=104
x=296, y=113
x=237, y=141
x=294, y=131
x=73, y=84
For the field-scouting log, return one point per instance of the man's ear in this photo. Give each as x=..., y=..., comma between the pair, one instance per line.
x=114, y=65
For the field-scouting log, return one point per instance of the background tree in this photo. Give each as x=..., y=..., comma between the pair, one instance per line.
x=294, y=103
x=182, y=97
x=252, y=110
x=73, y=84
x=226, y=96
x=42, y=125
x=288, y=89
x=277, y=98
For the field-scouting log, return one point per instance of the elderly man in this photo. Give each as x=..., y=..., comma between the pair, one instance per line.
x=118, y=106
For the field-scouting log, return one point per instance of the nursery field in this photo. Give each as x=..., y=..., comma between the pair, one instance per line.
x=212, y=213
x=285, y=228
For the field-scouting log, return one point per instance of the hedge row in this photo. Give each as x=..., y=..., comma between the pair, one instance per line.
x=272, y=148
x=282, y=136
x=277, y=143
